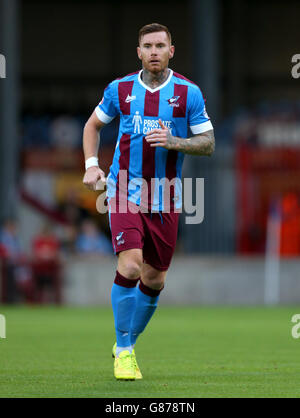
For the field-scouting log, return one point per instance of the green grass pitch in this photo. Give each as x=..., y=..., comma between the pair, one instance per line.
x=185, y=352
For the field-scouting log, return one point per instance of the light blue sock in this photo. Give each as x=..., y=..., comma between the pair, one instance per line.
x=123, y=301
x=145, y=308
x=120, y=349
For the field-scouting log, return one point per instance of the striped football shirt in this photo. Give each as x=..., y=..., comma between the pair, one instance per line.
x=179, y=103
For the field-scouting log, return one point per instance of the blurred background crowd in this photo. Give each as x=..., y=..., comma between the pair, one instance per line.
x=60, y=55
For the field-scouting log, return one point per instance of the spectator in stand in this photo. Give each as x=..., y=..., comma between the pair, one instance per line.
x=9, y=240
x=46, y=266
x=91, y=241
x=290, y=225
x=46, y=245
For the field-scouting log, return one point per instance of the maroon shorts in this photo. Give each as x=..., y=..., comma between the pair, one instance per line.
x=155, y=233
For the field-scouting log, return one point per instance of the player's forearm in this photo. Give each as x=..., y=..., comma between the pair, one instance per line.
x=202, y=144
x=91, y=141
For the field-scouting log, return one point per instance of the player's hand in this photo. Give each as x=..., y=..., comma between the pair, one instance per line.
x=93, y=176
x=160, y=137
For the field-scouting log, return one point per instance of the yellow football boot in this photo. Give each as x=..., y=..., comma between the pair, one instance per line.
x=138, y=374
x=124, y=367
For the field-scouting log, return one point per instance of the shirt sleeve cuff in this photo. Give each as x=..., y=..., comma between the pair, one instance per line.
x=103, y=117
x=203, y=127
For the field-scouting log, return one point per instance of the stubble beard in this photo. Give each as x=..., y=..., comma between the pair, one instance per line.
x=155, y=77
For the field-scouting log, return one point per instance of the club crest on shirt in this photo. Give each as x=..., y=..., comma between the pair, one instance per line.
x=173, y=102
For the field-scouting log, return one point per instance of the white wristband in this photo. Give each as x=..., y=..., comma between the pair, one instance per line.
x=91, y=162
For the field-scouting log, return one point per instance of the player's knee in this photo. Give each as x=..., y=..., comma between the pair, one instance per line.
x=154, y=279
x=130, y=264
x=155, y=284
x=131, y=268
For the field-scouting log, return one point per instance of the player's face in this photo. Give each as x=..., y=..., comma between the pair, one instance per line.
x=155, y=51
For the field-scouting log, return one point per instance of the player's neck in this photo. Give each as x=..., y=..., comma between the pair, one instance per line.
x=154, y=80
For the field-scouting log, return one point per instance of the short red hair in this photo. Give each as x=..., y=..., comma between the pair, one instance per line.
x=154, y=27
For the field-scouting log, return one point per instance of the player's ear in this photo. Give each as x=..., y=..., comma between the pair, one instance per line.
x=138, y=50
x=172, y=51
